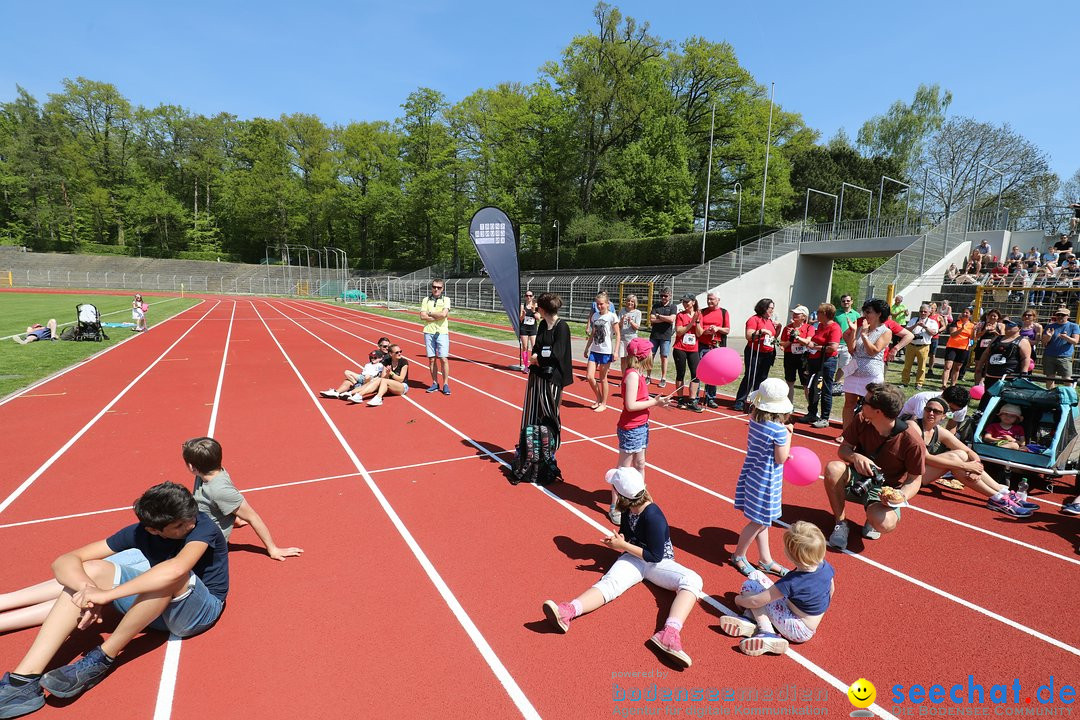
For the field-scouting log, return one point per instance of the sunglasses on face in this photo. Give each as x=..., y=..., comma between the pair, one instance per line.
x=395, y=352
x=528, y=294
x=934, y=411
x=436, y=287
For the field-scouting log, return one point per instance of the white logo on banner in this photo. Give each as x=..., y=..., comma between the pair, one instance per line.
x=490, y=234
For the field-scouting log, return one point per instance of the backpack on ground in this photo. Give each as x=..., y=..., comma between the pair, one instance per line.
x=534, y=461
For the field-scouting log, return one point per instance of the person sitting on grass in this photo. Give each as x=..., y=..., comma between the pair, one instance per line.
x=216, y=496
x=645, y=544
x=946, y=454
x=791, y=608
x=183, y=592
x=37, y=332
x=354, y=380
x=1006, y=432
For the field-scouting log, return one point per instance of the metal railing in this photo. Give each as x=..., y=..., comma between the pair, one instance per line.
x=912, y=262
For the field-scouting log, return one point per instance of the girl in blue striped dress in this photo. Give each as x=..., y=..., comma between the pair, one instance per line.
x=761, y=480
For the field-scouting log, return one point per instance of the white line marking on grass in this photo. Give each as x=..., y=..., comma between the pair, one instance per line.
x=797, y=657
x=95, y=356
x=501, y=673
x=896, y=573
x=111, y=312
x=56, y=456
x=171, y=664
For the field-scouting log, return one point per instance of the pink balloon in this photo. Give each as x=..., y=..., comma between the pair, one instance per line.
x=719, y=366
x=977, y=392
x=803, y=466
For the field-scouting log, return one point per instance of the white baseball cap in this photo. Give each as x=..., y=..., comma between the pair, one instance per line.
x=627, y=481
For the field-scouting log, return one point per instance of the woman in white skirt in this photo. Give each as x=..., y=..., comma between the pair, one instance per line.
x=867, y=340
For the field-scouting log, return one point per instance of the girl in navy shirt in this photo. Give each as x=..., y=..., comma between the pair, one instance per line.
x=645, y=544
x=792, y=608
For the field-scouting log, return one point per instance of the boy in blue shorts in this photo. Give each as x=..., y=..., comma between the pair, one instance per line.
x=183, y=592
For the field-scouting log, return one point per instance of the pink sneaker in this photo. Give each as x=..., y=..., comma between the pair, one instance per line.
x=668, y=642
x=559, y=614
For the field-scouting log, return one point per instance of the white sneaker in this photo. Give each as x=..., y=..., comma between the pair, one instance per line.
x=614, y=515
x=375, y=401
x=356, y=399
x=330, y=393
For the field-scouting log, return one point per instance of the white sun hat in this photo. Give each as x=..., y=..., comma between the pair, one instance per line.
x=627, y=481
x=772, y=397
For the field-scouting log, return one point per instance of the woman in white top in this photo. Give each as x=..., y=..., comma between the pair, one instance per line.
x=867, y=341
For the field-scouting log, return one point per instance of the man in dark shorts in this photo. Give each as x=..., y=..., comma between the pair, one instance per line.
x=717, y=324
x=38, y=332
x=661, y=325
x=875, y=439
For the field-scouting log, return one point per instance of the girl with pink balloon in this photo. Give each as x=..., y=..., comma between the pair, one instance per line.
x=760, y=485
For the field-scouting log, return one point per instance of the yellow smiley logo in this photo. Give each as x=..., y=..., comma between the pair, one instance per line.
x=862, y=693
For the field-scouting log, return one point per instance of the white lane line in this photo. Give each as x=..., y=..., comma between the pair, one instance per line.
x=896, y=573
x=944, y=518
x=515, y=692
x=74, y=438
x=171, y=664
x=797, y=657
x=93, y=357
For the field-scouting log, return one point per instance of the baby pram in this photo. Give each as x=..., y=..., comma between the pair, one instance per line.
x=88, y=323
x=1050, y=427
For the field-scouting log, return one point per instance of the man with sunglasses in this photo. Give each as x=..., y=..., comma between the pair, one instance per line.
x=661, y=326
x=434, y=310
x=1059, y=338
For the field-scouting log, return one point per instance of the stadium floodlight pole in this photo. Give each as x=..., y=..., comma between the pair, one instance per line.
x=881, y=194
x=708, y=184
x=1001, y=187
x=869, y=207
x=768, y=145
x=737, y=189
x=558, y=231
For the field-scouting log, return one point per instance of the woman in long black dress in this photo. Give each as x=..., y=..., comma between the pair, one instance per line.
x=550, y=370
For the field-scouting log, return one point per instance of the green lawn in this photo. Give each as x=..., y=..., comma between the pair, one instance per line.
x=21, y=365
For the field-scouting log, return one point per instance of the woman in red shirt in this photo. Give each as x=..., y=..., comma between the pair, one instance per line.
x=760, y=352
x=685, y=351
x=823, y=347
x=794, y=340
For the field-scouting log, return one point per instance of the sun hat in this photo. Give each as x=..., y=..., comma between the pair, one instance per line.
x=772, y=397
x=639, y=348
x=687, y=296
x=627, y=481
x=800, y=310
x=1062, y=311
x=1011, y=410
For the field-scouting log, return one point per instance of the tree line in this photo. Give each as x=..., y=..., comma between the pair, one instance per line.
x=612, y=140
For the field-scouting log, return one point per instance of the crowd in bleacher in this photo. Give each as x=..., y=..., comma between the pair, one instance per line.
x=1042, y=273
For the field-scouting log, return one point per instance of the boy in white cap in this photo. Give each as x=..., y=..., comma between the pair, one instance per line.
x=645, y=543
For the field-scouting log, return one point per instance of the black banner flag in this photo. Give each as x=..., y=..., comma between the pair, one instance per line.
x=493, y=236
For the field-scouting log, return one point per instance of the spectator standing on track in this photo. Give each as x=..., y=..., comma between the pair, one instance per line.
x=661, y=325
x=795, y=340
x=846, y=317
x=685, y=351
x=629, y=324
x=923, y=327
x=794, y=605
x=138, y=313
x=215, y=495
x=434, y=310
x=550, y=369
x=183, y=592
x=867, y=341
x=633, y=426
x=760, y=352
x=716, y=324
x=600, y=349
x=878, y=450
x=39, y=332
x=824, y=346
x=394, y=381
x=761, y=480
x=1059, y=338
x=647, y=554
x=527, y=320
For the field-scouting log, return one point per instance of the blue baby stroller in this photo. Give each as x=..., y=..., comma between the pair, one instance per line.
x=1050, y=426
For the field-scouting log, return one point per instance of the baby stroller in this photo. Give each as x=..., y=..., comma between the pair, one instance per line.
x=1050, y=420
x=88, y=323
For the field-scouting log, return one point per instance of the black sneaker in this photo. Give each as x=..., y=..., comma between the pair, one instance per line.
x=808, y=419
x=70, y=680
x=711, y=404
x=16, y=701
x=695, y=407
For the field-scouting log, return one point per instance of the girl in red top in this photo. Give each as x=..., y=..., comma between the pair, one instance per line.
x=821, y=364
x=760, y=352
x=685, y=351
x=633, y=427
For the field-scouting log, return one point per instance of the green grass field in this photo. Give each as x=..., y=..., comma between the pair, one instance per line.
x=21, y=365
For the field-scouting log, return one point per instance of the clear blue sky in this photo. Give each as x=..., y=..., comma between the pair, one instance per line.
x=837, y=63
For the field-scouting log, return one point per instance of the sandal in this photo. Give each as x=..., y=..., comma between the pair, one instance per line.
x=772, y=568
x=740, y=563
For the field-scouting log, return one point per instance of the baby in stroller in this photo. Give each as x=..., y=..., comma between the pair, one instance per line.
x=1007, y=431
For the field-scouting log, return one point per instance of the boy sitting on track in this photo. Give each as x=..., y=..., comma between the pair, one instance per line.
x=183, y=592
x=215, y=495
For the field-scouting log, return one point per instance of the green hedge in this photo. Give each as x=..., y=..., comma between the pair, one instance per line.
x=845, y=282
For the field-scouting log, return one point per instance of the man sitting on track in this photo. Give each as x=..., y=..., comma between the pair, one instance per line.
x=879, y=451
x=37, y=332
x=183, y=592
